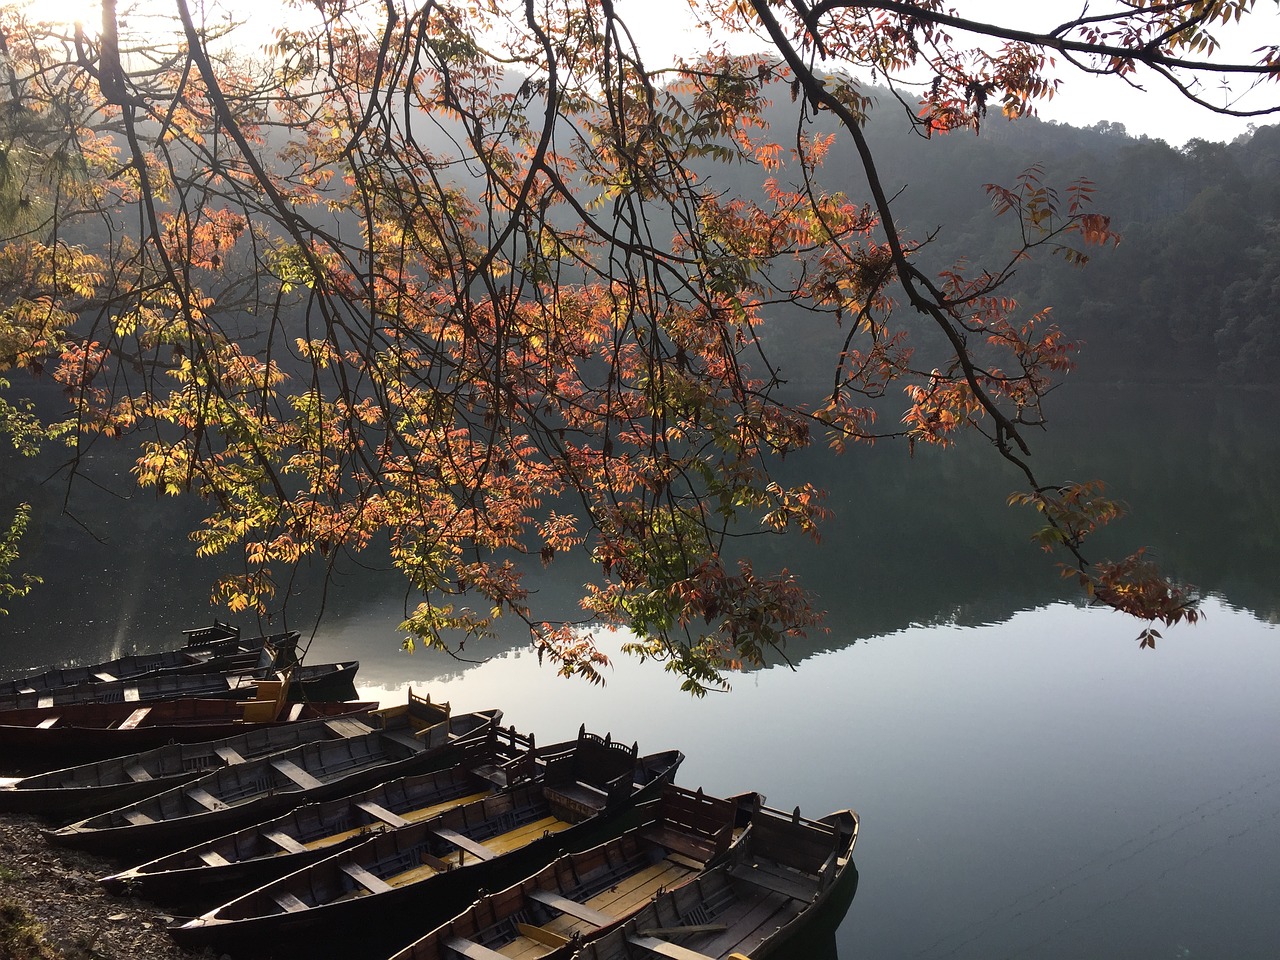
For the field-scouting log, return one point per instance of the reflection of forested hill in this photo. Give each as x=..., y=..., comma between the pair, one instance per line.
x=931, y=540
x=921, y=540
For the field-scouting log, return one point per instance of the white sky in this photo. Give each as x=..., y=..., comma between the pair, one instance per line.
x=1158, y=111
x=663, y=28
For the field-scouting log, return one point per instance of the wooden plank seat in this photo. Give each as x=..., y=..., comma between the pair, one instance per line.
x=214, y=859
x=477, y=850
x=472, y=950
x=345, y=727
x=295, y=773
x=283, y=841
x=410, y=816
x=788, y=887
x=135, y=773
x=106, y=677
x=572, y=907
x=137, y=817
x=47, y=722
x=381, y=813
x=542, y=935
x=288, y=902
x=371, y=882
x=228, y=755
x=665, y=948
x=135, y=718
x=203, y=797
x=131, y=695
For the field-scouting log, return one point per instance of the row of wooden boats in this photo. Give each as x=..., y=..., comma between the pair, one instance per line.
x=352, y=756
x=311, y=681
x=32, y=739
x=218, y=684
x=416, y=832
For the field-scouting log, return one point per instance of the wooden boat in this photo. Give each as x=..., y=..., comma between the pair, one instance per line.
x=410, y=738
x=752, y=905
x=322, y=681
x=309, y=681
x=378, y=895
x=37, y=737
x=209, y=873
x=580, y=894
x=79, y=791
x=215, y=655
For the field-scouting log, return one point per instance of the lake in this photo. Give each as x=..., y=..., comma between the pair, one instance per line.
x=1030, y=783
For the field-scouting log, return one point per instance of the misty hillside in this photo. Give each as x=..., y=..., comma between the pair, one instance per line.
x=1187, y=295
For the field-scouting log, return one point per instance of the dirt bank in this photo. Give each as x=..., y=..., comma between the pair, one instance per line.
x=74, y=919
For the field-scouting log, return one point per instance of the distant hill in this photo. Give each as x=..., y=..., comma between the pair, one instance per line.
x=1188, y=295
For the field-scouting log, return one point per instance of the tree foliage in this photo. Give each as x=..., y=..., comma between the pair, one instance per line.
x=464, y=282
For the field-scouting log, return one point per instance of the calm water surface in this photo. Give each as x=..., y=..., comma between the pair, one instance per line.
x=1030, y=783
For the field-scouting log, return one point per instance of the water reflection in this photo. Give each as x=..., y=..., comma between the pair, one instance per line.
x=1034, y=788
x=921, y=541
x=1030, y=784
x=818, y=940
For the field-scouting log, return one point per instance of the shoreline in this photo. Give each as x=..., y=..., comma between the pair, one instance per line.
x=57, y=888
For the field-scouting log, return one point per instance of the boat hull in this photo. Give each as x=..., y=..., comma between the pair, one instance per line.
x=37, y=738
x=322, y=682
x=247, y=793
x=81, y=790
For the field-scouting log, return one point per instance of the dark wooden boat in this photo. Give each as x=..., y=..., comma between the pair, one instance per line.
x=309, y=682
x=322, y=681
x=79, y=791
x=212, y=872
x=581, y=894
x=410, y=738
x=377, y=896
x=128, y=668
x=138, y=690
x=219, y=654
x=751, y=905
x=37, y=737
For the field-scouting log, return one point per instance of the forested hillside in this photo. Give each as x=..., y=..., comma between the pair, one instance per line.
x=1187, y=295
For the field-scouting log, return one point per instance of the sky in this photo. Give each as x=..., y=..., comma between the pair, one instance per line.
x=1157, y=111
x=663, y=29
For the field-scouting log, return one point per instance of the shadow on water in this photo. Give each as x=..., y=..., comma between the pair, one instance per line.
x=817, y=941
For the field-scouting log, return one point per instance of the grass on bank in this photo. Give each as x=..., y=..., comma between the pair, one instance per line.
x=21, y=937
